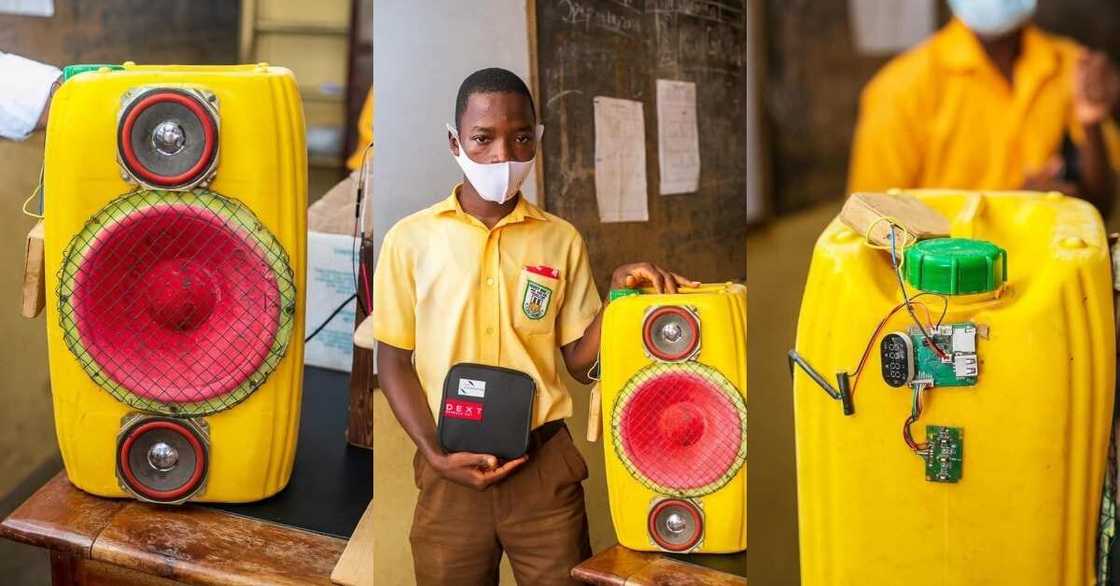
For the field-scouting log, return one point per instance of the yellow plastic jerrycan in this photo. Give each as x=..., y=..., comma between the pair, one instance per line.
x=175, y=244
x=674, y=392
x=971, y=447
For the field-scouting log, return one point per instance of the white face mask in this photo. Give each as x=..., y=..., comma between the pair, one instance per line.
x=993, y=18
x=496, y=182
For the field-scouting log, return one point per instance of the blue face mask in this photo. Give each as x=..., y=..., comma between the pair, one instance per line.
x=993, y=18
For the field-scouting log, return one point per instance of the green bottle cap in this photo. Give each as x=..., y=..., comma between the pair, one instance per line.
x=72, y=70
x=616, y=293
x=955, y=266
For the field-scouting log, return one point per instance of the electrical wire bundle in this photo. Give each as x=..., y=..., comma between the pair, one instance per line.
x=921, y=449
x=361, y=273
x=846, y=394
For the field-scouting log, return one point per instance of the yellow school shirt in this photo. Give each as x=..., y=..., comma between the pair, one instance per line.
x=453, y=291
x=942, y=115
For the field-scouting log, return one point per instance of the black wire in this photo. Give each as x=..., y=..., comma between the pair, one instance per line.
x=330, y=317
x=896, y=264
x=359, y=231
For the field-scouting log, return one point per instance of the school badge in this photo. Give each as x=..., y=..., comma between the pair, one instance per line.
x=535, y=302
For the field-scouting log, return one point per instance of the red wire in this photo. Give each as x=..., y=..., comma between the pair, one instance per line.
x=369, y=286
x=875, y=335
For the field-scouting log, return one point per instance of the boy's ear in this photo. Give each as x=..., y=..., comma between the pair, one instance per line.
x=452, y=141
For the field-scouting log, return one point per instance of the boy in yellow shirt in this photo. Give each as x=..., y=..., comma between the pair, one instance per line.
x=486, y=277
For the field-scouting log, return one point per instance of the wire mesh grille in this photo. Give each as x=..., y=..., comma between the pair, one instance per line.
x=1106, y=528
x=179, y=303
x=680, y=429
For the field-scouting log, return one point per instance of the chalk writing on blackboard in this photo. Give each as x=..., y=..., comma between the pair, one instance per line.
x=724, y=13
x=620, y=17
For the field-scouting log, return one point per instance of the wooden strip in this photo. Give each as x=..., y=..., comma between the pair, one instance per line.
x=355, y=568
x=247, y=45
x=204, y=546
x=535, y=89
x=359, y=425
x=34, y=284
x=612, y=567
x=669, y=572
x=60, y=517
x=95, y=573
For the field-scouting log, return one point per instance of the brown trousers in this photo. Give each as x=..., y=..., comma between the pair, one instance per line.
x=535, y=516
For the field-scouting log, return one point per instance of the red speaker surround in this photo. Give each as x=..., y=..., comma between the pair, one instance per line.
x=177, y=304
x=679, y=429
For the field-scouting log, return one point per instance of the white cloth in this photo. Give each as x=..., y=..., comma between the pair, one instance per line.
x=25, y=87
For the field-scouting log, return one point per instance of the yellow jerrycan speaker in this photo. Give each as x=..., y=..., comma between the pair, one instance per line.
x=175, y=212
x=954, y=398
x=674, y=394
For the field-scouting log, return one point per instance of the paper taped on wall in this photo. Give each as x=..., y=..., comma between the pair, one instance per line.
x=678, y=140
x=620, y=160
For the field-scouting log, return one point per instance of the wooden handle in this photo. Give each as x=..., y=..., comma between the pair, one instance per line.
x=594, y=410
x=34, y=285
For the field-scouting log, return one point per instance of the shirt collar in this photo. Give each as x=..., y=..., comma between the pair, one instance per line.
x=521, y=212
x=957, y=48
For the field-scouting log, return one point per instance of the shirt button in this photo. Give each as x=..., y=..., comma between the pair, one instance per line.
x=490, y=281
x=489, y=331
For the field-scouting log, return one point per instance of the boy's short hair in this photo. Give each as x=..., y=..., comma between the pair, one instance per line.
x=491, y=79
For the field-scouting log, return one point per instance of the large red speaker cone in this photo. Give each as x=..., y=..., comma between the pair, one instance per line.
x=680, y=429
x=177, y=303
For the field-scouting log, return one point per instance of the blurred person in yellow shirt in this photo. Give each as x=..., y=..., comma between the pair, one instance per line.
x=365, y=133
x=991, y=102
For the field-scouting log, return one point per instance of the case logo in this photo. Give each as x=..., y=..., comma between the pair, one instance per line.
x=472, y=388
x=536, y=299
x=456, y=409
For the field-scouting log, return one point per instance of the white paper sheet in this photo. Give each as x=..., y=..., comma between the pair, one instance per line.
x=330, y=281
x=27, y=7
x=620, y=160
x=882, y=27
x=678, y=140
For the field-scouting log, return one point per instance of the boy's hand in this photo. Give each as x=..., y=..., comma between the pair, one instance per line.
x=477, y=471
x=1096, y=87
x=635, y=275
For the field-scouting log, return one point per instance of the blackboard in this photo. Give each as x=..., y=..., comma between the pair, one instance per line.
x=619, y=49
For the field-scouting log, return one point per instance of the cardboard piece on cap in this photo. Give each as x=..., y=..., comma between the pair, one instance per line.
x=864, y=211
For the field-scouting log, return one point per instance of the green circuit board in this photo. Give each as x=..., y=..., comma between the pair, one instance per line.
x=945, y=459
x=958, y=341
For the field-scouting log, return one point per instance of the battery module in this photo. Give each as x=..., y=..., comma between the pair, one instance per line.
x=896, y=353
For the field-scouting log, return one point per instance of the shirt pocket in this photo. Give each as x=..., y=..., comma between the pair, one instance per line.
x=536, y=302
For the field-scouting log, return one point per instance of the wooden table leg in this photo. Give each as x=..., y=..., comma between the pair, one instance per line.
x=64, y=569
x=359, y=428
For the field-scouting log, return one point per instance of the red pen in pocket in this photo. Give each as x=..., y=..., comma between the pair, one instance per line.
x=544, y=271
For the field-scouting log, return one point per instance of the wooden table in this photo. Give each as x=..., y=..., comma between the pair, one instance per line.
x=619, y=566
x=295, y=537
x=97, y=541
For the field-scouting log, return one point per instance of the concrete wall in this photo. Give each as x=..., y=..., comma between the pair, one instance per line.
x=422, y=50
x=26, y=423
